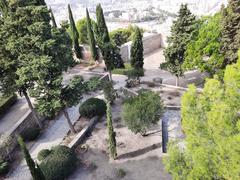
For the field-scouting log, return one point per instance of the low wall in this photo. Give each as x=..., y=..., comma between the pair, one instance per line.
x=25, y=122
x=80, y=137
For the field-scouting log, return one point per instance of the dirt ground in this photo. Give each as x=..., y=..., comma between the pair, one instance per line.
x=139, y=158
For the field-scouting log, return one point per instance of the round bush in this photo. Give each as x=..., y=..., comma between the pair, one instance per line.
x=4, y=167
x=93, y=107
x=43, y=154
x=30, y=134
x=59, y=164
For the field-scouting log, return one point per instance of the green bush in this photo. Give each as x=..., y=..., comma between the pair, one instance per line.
x=142, y=111
x=93, y=107
x=4, y=167
x=43, y=154
x=59, y=164
x=6, y=102
x=93, y=84
x=121, y=173
x=30, y=134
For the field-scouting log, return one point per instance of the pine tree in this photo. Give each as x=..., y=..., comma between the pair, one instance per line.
x=103, y=41
x=91, y=38
x=34, y=168
x=231, y=32
x=74, y=33
x=182, y=32
x=54, y=24
x=111, y=133
x=137, y=50
x=211, y=124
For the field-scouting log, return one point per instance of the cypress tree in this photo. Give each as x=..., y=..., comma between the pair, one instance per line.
x=54, y=24
x=111, y=133
x=91, y=38
x=103, y=40
x=102, y=29
x=75, y=34
x=182, y=32
x=137, y=50
x=231, y=32
x=34, y=168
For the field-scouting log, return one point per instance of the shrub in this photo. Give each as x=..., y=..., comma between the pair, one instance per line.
x=93, y=84
x=59, y=164
x=4, y=167
x=6, y=102
x=121, y=173
x=30, y=134
x=43, y=154
x=142, y=111
x=93, y=107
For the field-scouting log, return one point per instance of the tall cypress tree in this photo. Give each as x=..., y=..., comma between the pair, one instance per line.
x=54, y=24
x=3, y=7
x=35, y=170
x=91, y=38
x=137, y=50
x=103, y=40
x=102, y=29
x=182, y=31
x=231, y=32
x=75, y=34
x=111, y=133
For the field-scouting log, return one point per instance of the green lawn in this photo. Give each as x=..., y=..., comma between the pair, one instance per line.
x=123, y=71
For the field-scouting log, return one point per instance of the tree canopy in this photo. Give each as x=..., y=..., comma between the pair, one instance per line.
x=203, y=52
x=211, y=124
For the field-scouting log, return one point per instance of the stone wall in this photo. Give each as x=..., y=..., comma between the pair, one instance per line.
x=150, y=44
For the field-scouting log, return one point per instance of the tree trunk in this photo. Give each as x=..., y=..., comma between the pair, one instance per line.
x=177, y=81
x=69, y=121
x=110, y=75
x=34, y=113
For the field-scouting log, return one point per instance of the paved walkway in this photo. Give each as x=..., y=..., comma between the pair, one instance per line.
x=13, y=115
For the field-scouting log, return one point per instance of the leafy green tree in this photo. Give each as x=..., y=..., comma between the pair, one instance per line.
x=33, y=55
x=91, y=38
x=211, y=124
x=142, y=111
x=204, y=51
x=182, y=31
x=111, y=134
x=103, y=41
x=54, y=24
x=66, y=97
x=75, y=34
x=109, y=92
x=137, y=50
x=230, y=32
x=33, y=167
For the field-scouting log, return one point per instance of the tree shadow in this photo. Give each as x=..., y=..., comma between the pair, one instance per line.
x=140, y=151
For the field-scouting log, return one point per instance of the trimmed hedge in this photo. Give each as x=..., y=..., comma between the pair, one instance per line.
x=43, y=154
x=59, y=164
x=93, y=107
x=6, y=103
x=30, y=134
